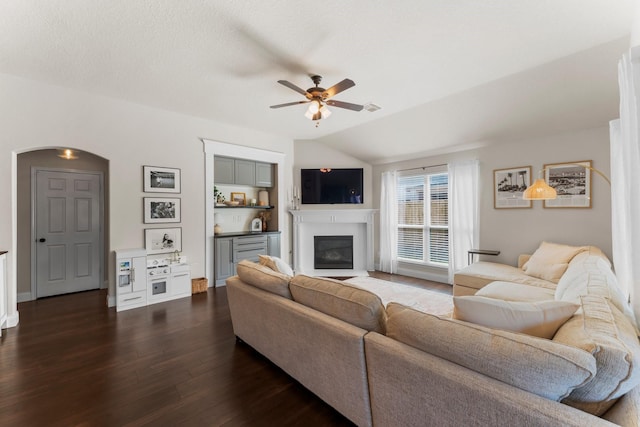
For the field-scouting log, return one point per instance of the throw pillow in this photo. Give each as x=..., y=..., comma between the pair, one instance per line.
x=276, y=264
x=539, y=319
x=550, y=260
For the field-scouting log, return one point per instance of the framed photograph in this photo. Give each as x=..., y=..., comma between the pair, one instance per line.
x=162, y=240
x=158, y=210
x=508, y=186
x=161, y=180
x=572, y=182
x=239, y=197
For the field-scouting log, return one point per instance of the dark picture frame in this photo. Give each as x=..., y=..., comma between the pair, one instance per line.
x=162, y=240
x=508, y=186
x=159, y=179
x=159, y=210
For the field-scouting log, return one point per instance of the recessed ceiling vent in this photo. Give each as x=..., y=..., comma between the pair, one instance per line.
x=371, y=107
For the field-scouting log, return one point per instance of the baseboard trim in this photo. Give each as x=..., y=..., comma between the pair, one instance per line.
x=25, y=296
x=13, y=320
x=111, y=301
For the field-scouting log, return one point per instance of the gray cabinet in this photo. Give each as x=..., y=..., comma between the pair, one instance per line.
x=264, y=174
x=245, y=172
x=229, y=251
x=223, y=170
x=227, y=170
x=273, y=244
x=223, y=262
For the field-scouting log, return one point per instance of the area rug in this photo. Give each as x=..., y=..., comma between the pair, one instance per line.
x=412, y=296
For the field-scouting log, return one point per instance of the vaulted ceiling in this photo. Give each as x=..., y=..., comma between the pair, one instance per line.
x=447, y=73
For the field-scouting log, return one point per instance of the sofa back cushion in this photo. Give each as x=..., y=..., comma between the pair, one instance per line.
x=264, y=278
x=533, y=364
x=550, y=260
x=351, y=304
x=537, y=318
x=601, y=329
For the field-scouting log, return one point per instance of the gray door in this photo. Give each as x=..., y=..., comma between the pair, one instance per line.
x=68, y=239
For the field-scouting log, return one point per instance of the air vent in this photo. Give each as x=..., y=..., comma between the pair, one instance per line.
x=371, y=107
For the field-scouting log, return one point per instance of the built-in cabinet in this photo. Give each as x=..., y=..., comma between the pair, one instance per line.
x=230, y=250
x=242, y=172
x=3, y=291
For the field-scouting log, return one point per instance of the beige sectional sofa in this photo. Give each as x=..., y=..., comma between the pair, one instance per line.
x=391, y=366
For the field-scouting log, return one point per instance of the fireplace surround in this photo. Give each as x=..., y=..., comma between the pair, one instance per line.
x=307, y=224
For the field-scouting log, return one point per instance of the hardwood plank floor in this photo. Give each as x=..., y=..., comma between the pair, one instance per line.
x=73, y=362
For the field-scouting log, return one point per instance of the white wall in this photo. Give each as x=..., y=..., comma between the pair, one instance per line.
x=34, y=115
x=516, y=231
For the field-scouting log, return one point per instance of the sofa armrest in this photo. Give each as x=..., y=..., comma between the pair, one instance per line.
x=522, y=260
x=409, y=387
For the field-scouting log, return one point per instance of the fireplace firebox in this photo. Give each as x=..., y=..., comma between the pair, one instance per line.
x=333, y=252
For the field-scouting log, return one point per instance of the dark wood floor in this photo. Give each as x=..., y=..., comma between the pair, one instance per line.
x=73, y=362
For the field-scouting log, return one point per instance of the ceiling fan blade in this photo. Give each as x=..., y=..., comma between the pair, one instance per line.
x=337, y=88
x=289, y=103
x=294, y=87
x=347, y=105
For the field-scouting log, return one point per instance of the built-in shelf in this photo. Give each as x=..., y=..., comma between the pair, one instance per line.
x=242, y=207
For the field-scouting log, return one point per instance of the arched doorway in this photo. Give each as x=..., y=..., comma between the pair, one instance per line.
x=49, y=162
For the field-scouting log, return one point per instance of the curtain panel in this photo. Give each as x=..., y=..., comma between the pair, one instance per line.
x=388, y=223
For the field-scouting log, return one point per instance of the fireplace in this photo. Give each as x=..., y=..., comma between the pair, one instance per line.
x=332, y=252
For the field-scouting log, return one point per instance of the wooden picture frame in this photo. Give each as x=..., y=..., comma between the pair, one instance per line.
x=161, y=180
x=159, y=210
x=572, y=182
x=162, y=240
x=239, y=197
x=508, y=186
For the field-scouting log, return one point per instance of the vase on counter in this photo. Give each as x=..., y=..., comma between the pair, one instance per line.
x=263, y=198
x=217, y=229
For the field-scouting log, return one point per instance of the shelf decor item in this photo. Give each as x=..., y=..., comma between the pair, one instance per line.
x=161, y=180
x=241, y=198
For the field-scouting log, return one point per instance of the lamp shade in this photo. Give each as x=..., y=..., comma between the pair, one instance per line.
x=540, y=190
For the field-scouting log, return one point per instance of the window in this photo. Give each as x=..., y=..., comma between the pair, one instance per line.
x=423, y=224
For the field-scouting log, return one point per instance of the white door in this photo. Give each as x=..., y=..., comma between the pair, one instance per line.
x=68, y=239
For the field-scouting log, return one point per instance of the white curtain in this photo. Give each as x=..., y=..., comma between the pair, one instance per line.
x=463, y=212
x=388, y=223
x=625, y=176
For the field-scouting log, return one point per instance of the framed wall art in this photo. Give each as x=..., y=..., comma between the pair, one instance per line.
x=241, y=198
x=161, y=209
x=162, y=240
x=508, y=186
x=572, y=182
x=161, y=180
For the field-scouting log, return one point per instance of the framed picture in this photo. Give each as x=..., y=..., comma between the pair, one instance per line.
x=162, y=240
x=239, y=197
x=572, y=182
x=161, y=180
x=508, y=186
x=158, y=210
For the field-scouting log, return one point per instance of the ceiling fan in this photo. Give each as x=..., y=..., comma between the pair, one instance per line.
x=319, y=98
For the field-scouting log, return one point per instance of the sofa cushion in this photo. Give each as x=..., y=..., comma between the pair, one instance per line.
x=592, y=275
x=601, y=329
x=264, y=278
x=481, y=273
x=276, y=264
x=550, y=260
x=537, y=365
x=351, y=304
x=509, y=291
x=539, y=319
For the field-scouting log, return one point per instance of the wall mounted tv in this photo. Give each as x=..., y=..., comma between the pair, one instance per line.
x=331, y=186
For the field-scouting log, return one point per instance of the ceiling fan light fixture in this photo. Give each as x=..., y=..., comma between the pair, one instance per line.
x=314, y=107
x=324, y=112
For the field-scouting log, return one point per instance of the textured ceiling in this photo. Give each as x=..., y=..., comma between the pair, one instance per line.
x=500, y=69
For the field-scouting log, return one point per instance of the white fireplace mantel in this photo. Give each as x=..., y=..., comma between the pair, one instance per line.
x=326, y=222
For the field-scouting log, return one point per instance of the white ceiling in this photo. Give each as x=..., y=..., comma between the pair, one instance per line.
x=446, y=72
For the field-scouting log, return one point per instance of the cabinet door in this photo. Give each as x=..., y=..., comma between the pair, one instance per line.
x=273, y=245
x=223, y=170
x=181, y=283
x=245, y=172
x=139, y=279
x=264, y=175
x=223, y=261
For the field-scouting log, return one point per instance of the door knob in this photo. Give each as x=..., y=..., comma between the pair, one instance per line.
x=42, y=240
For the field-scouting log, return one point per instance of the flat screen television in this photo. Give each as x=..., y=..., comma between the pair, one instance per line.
x=331, y=186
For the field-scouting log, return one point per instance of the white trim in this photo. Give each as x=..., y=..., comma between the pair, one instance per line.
x=25, y=296
x=217, y=148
